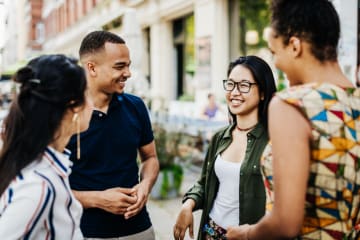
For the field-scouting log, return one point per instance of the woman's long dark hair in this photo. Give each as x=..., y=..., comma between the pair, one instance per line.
x=50, y=85
x=264, y=78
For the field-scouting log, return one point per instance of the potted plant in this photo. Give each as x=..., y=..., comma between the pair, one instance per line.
x=171, y=172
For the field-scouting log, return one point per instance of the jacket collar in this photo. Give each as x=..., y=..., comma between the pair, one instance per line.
x=256, y=132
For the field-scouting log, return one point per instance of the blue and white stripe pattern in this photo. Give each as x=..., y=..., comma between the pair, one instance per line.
x=39, y=204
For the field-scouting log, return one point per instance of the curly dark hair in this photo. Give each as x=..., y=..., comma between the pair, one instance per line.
x=315, y=21
x=96, y=40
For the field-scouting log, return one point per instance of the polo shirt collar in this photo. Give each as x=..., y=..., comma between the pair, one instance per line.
x=116, y=100
x=60, y=162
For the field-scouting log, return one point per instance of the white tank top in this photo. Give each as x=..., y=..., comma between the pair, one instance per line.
x=225, y=210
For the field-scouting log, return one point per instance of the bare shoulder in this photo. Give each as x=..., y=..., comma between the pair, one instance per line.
x=286, y=117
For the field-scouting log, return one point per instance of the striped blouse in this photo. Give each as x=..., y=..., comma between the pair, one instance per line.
x=39, y=204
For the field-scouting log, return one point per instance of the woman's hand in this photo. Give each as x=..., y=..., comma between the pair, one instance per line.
x=185, y=220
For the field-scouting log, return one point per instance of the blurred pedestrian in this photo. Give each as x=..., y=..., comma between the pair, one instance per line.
x=314, y=130
x=211, y=108
x=106, y=180
x=36, y=199
x=230, y=190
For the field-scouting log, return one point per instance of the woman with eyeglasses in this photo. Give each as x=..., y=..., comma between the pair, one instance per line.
x=230, y=190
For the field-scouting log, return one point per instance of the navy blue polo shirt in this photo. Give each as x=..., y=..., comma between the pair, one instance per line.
x=108, y=159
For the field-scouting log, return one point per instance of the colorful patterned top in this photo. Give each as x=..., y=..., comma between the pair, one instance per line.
x=332, y=197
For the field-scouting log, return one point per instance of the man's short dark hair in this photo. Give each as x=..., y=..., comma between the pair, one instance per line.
x=315, y=21
x=96, y=40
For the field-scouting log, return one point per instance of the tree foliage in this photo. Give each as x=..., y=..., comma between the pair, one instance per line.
x=255, y=15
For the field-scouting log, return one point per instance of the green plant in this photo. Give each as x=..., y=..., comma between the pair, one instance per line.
x=254, y=15
x=281, y=81
x=166, y=186
x=171, y=172
x=167, y=143
x=186, y=97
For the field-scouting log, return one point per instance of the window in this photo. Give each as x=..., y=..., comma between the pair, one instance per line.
x=40, y=32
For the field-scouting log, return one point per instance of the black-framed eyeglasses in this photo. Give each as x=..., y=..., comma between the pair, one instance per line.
x=243, y=86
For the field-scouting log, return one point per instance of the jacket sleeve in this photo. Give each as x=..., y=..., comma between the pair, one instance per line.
x=197, y=191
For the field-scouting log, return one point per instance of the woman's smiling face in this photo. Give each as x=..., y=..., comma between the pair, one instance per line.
x=242, y=103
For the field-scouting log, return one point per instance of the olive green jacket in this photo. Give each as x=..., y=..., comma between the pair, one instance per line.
x=252, y=191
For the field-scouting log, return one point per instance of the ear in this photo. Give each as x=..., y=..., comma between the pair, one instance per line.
x=75, y=113
x=295, y=46
x=76, y=109
x=91, y=69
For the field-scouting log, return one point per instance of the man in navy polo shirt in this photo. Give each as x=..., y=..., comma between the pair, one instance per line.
x=106, y=177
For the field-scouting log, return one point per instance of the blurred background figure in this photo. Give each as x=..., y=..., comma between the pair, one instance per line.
x=211, y=108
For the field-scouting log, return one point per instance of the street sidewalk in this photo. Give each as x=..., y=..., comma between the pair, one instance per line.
x=163, y=213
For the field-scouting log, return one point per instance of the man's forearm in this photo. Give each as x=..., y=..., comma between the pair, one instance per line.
x=149, y=172
x=88, y=199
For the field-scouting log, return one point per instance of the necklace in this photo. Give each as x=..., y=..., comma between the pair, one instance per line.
x=245, y=129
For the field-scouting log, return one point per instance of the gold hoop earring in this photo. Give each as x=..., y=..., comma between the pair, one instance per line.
x=76, y=119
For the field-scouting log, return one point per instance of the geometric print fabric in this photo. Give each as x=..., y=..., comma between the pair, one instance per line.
x=333, y=196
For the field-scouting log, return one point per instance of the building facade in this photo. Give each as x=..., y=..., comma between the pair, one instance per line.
x=184, y=46
x=180, y=48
